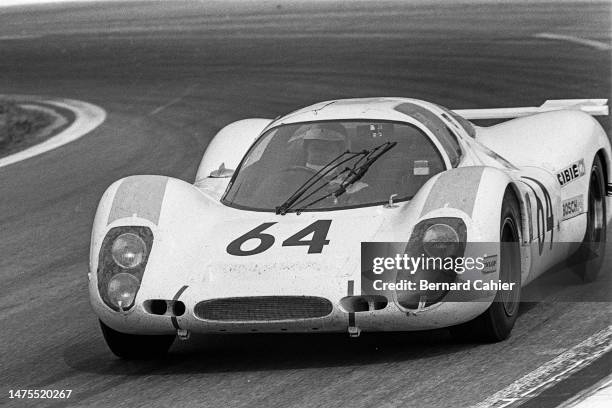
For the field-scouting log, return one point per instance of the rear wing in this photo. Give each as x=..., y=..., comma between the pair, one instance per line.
x=594, y=107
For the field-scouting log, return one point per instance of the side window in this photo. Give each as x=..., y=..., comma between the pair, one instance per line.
x=451, y=145
x=438, y=126
x=457, y=123
x=465, y=124
x=450, y=142
x=453, y=139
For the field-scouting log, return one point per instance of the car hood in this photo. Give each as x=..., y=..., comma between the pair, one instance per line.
x=208, y=247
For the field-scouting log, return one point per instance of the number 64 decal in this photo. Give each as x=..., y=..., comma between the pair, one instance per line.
x=315, y=245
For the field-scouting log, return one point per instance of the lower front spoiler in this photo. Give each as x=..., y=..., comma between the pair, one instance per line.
x=138, y=321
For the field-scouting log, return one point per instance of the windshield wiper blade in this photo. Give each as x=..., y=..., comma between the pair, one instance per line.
x=365, y=154
x=358, y=172
x=315, y=178
x=355, y=173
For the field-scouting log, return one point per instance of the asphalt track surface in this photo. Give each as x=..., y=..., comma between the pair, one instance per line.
x=171, y=75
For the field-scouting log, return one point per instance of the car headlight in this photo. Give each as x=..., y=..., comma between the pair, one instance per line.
x=122, y=290
x=440, y=240
x=128, y=250
x=439, y=237
x=122, y=261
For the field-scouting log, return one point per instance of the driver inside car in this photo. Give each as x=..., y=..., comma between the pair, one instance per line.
x=322, y=144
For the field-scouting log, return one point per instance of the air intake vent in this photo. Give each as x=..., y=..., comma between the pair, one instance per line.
x=263, y=308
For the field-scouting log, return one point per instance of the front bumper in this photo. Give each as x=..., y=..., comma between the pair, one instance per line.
x=141, y=319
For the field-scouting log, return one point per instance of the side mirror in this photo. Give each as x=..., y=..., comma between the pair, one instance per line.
x=221, y=172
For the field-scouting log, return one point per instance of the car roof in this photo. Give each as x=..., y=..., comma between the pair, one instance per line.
x=383, y=108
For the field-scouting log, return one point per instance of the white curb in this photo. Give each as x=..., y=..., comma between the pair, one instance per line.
x=87, y=118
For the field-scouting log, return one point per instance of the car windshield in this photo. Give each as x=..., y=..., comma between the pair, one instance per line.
x=321, y=156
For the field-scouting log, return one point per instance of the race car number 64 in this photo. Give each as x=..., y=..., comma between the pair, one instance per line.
x=318, y=229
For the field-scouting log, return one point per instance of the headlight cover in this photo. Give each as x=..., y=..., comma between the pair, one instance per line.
x=128, y=250
x=122, y=290
x=121, y=264
x=440, y=240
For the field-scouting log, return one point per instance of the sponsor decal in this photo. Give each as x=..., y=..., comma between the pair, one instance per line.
x=374, y=130
x=490, y=264
x=571, y=173
x=421, y=167
x=572, y=207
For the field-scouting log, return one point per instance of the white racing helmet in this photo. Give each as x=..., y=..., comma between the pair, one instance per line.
x=328, y=132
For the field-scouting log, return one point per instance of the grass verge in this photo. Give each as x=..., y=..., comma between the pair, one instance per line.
x=18, y=124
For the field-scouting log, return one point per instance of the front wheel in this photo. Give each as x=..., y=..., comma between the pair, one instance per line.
x=134, y=346
x=496, y=323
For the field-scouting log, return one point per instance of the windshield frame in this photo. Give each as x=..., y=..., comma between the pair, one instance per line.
x=423, y=129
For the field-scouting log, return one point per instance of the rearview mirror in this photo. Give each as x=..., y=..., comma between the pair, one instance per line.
x=221, y=172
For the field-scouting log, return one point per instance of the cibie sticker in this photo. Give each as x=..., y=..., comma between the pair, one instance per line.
x=571, y=173
x=572, y=207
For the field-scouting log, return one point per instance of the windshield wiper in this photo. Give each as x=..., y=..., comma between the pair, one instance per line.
x=355, y=173
x=315, y=178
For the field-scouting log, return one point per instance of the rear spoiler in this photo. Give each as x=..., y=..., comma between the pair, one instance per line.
x=594, y=107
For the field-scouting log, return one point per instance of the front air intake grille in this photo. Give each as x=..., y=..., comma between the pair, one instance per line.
x=263, y=308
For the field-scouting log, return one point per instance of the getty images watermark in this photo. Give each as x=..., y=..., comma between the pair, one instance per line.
x=476, y=272
x=405, y=264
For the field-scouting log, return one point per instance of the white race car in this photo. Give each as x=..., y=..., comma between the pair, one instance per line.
x=269, y=237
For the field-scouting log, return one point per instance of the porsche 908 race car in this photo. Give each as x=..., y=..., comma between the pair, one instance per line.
x=269, y=237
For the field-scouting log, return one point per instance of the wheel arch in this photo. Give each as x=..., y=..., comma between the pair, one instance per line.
x=495, y=184
x=524, y=211
x=605, y=159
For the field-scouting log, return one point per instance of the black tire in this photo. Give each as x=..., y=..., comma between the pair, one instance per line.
x=496, y=323
x=136, y=347
x=588, y=260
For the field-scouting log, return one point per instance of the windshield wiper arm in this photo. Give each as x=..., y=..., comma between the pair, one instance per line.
x=355, y=173
x=316, y=177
